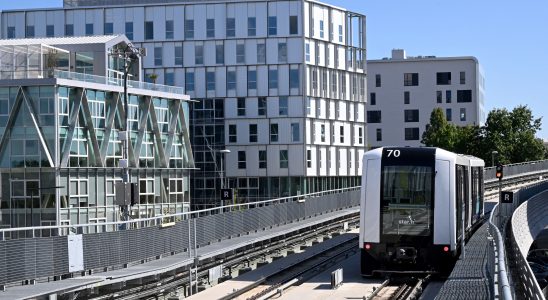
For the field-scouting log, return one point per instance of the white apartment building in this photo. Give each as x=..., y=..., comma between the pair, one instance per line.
x=404, y=90
x=281, y=84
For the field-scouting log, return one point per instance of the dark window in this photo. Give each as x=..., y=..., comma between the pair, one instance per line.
x=199, y=54
x=341, y=134
x=411, y=134
x=443, y=78
x=241, y=106
x=448, y=96
x=273, y=132
x=149, y=30
x=241, y=160
x=374, y=116
x=69, y=30
x=129, y=30
x=240, y=53
x=89, y=29
x=262, y=159
x=406, y=97
x=232, y=134
x=309, y=158
x=462, y=77
x=293, y=24
x=464, y=96
x=108, y=28
x=283, y=107
x=158, y=56
x=252, y=133
x=379, y=134
x=448, y=115
x=439, y=96
x=262, y=106
x=189, y=29
x=251, y=26
x=219, y=54
x=373, y=98
x=407, y=200
x=11, y=32
x=210, y=28
x=179, y=55
x=284, y=159
x=50, y=32
x=30, y=31
x=273, y=79
x=411, y=115
x=231, y=80
x=463, y=114
x=294, y=81
x=377, y=80
x=230, y=27
x=272, y=25
x=189, y=81
x=169, y=29
x=411, y=79
x=252, y=79
x=210, y=81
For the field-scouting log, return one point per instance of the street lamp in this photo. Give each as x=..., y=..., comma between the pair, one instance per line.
x=493, y=153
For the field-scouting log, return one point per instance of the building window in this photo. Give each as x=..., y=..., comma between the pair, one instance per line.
x=252, y=133
x=377, y=80
x=199, y=54
x=189, y=29
x=220, y=54
x=29, y=31
x=307, y=52
x=374, y=116
x=69, y=30
x=379, y=134
x=178, y=55
x=157, y=56
x=321, y=29
x=309, y=158
x=411, y=115
x=282, y=52
x=149, y=30
x=240, y=53
x=462, y=77
x=262, y=159
x=448, y=96
x=463, y=114
x=169, y=29
x=273, y=132
x=411, y=79
x=261, y=53
x=251, y=26
x=411, y=134
x=448, y=115
x=241, y=160
x=373, y=98
x=241, y=106
x=443, y=78
x=89, y=29
x=294, y=80
x=293, y=24
x=284, y=159
x=251, y=79
x=189, y=81
x=438, y=96
x=11, y=32
x=406, y=97
x=230, y=27
x=210, y=81
x=341, y=134
x=464, y=96
x=232, y=133
x=322, y=133
x=272, y=78
x=272, y=25
x=210, y=28
x=50, y=30
x=129, y=30
x=360, y=135
x=262, y=106
x=231, y=80
x=340, y=34
x=295, y=132
x=283, y=106
x=169, y=78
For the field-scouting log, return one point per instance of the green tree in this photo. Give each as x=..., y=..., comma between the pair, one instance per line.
x=439, y=133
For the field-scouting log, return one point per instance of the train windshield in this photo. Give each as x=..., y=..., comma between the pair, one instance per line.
x=406, y=206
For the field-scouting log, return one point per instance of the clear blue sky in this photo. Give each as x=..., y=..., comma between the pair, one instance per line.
x=510, y=39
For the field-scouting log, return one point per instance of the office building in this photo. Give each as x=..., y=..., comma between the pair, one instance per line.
x=404, y=90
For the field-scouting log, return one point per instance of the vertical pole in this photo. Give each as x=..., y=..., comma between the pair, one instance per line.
x=222, y=178
x=125, y=153
x=463, y=243
x=500, y=206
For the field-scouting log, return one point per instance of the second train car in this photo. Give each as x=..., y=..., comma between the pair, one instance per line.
x=416, y=203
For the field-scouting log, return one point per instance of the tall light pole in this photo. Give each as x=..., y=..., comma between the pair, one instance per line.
x=493, y=153
x=128, y=54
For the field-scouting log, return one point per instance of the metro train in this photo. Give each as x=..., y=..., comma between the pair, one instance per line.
x=417, y=204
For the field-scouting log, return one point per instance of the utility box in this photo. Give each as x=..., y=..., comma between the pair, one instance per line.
x=127, y=193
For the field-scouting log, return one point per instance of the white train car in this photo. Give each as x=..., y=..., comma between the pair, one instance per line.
x=416, y=204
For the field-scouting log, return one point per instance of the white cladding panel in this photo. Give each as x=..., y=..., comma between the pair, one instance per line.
x=442, y=208
x=371, y=209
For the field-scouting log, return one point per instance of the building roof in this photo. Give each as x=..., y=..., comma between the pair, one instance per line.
x=76, y=40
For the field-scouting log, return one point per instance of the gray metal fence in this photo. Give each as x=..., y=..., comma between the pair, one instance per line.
x=535, y=167
x=42, y=257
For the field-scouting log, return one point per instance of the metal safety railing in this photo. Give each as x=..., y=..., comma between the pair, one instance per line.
x=161, y=220
x=496, y=261
x=533, y=167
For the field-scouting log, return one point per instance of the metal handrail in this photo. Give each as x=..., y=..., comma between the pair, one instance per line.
x=163, y=219
x=502, y=286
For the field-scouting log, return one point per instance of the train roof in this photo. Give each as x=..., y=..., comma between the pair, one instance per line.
x=440, y=152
